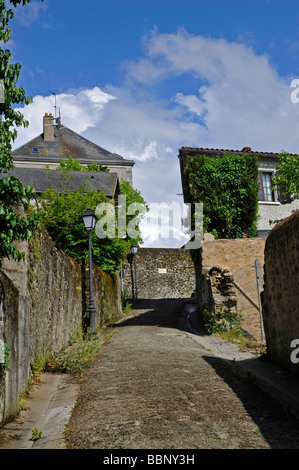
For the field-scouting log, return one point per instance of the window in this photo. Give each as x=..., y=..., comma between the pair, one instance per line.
x=268, y=193
x=35, y=149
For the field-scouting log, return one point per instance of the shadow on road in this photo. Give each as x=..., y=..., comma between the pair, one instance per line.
x=166, y=313
x=279, y=427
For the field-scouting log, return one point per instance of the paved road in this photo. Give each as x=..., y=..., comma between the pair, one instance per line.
x=153, y=386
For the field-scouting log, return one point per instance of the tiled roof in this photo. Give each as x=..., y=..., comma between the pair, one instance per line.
x=244, y=150
x=43, y=179
x=67, y=143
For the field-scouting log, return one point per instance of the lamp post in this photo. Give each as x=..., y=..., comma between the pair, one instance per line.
x=134, y=250
x=89, y=220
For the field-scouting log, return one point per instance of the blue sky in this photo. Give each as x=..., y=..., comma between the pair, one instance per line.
x=145, y=78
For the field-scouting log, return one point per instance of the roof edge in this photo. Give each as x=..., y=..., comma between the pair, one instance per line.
x=240, y=152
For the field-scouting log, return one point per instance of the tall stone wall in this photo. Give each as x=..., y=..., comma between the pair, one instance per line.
x=54, y=295
x=42, y=304
x=281, y=294
x=161, y=273
x=238, y=256
x=9, y=326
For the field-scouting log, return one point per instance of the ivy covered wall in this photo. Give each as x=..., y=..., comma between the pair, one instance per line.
x=228, y=188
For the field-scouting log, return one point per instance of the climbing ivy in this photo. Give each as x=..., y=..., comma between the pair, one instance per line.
x=17, y=222
x=228, y=188
x=286, y=180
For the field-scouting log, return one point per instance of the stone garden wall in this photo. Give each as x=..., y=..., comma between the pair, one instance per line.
x=238, y=257
x=42, y=306
x=281, y=293
x=161, y=273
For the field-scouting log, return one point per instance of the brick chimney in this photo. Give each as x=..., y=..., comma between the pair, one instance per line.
x=48, y=128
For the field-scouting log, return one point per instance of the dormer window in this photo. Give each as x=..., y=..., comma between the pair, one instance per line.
x=35, y=149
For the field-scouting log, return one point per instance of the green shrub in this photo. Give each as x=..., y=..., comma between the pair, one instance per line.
x=228, y=188
x=227, y=321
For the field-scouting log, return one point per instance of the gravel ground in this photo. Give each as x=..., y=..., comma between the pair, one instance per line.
x=152, y=386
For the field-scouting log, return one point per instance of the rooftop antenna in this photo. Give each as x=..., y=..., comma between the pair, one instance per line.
x=58, y=120
x=52, y=92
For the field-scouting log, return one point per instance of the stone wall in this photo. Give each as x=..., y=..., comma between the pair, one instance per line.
x=217, y=296
x=281, y=294
x=238, y=256
x=42, y=304
x=54, y=295
x=161, y=273
x=107, y=294
x=9, y=326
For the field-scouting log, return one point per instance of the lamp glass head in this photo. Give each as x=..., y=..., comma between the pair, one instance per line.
x=89, y=219
x=134, y=249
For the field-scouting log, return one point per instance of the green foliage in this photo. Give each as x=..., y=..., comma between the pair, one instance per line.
x=74, y=165
x=286, y=180
x=127, y=307
x=227, y=321
x=36, y=434
x=37, y=368
x=136, y=208
x=62, y=217
x=228, y=188
x=6, y=352
x=75, y=358
x=13, y=224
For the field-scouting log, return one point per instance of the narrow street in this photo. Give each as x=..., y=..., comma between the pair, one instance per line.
x=154, y=386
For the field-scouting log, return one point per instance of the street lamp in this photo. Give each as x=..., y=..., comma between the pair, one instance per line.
x=134, y=250
x=89, y=220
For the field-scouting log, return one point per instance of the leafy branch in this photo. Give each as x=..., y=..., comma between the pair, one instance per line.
x=17, y=222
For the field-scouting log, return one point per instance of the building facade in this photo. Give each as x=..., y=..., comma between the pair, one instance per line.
x=271, y=207
x=58, y=142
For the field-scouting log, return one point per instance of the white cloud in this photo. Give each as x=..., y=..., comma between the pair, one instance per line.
x=243, y=100
x=239, y=100
x=80, y=109
x=33, y=12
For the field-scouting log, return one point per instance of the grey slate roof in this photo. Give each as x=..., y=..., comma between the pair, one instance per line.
x=67, y=143
x=43, y=179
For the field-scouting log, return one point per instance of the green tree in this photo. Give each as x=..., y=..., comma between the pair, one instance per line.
x=74, y=165
x=62, y=216
x=228, y=188
x=17, y=222
x=286, y=180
